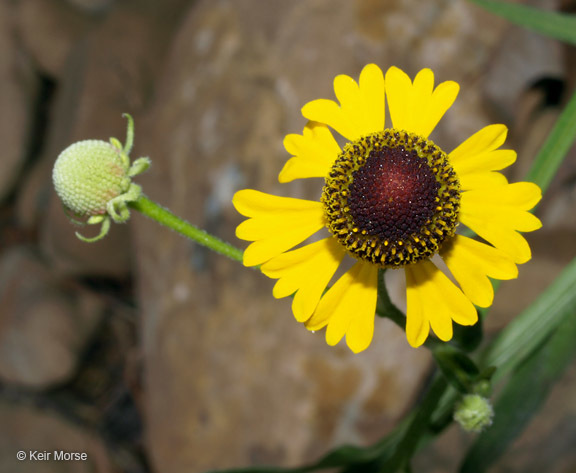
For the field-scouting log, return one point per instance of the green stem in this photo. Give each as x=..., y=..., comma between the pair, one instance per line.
x=418, y=428
x=165, y=217
x=385, y=308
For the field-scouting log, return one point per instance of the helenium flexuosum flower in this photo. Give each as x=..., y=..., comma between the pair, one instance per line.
x=391, y=199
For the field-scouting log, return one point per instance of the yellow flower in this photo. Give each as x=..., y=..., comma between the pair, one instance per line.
x=391, y=199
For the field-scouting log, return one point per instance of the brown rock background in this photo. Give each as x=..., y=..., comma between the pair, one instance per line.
x=152, y=354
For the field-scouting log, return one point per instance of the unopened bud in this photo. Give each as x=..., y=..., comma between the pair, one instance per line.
x=93, y=180
x=474, y=413
x=89, y=174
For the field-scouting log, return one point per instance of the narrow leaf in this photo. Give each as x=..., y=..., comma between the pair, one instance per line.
x=555, y=25
x=529, y=330
x=556, y=146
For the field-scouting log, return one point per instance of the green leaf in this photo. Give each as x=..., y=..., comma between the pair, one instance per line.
x=555, y=147
x=418, y=426
x=523, y=396
x=555, y=25
x=529, y=330
x=460, y=371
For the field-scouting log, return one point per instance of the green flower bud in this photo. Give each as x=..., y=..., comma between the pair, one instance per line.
x=93, y=180
x=89, y=174
x=474, y=413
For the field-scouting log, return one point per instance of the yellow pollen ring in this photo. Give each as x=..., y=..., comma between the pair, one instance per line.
x=342, y=201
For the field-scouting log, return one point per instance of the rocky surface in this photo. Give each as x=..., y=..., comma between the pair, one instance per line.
x=221, y=375
x=18, y=95
x=64, y=25
x=44, y=326
x=110, y=72
x=36, y=432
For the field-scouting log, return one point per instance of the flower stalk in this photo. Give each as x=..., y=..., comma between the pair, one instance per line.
x=163, y=216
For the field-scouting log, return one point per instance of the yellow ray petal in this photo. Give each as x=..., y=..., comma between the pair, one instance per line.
x=471, y=262
x=489, y=161
x=418, y=107
x=519, y=195
x=271, y=225
x=276, y=224
x=433, y=299
x=313, y=152
x=328, y=112
x=262, y=250
x=253, y=203
x=417, y=323
x=361, y=329
x=348, y=308
x=487, y=139
x=480, y=152
x=482, y=180
x=504, y=238
x=306, y=271
x=361, y=109
x=441, y=325
x=422, y=89
x=348, y=94
x=422, y=281
x=332, y=300
x=399, y=97
x=497, y=213
x=372, y=94
x=507, y=217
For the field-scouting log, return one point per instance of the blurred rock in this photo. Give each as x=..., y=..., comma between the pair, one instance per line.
x=92, y=6
x=532, y=125
x=17, y=100
x=34, y=194
x=54, y=19
x=521, y=59
x=569, y=50
x=26, y=429
x=551, y=432
x=111, y=72
x=44, y=328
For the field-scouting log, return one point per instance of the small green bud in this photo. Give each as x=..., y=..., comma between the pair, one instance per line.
x=87, y=175
x=93, y=180
x=474, y=413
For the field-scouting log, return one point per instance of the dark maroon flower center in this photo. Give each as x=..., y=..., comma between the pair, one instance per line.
x=393, y=194
x=392, y=198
